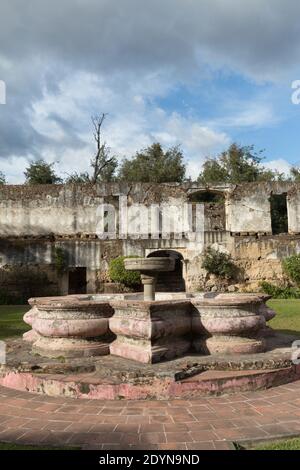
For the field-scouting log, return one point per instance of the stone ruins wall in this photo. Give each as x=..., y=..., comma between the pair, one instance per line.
x=36, y=220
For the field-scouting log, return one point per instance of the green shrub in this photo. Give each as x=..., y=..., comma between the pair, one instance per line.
x=218, y=263
x=291, y=267
x=280, y=292
x=118, y=273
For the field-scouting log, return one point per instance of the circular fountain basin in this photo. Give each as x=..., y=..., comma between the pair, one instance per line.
x=149, y=264
x=69, y=326
x=229, y=323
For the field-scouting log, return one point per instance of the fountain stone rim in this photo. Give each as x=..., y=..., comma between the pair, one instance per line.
x=152, y=264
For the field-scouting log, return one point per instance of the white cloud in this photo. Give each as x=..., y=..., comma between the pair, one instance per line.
x=118, y=57
x=279, y=164
x=254, y=115
x=133, y=123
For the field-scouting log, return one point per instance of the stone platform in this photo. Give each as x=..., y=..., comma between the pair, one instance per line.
x=113, y=378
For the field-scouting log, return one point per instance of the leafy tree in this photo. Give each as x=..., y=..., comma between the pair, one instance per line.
x=238, y=164
x=153, y=165
x=2, y=178
x=75, y=178
x=41, y=172
x=103, y=165
x=213, y=172
x=295, y=174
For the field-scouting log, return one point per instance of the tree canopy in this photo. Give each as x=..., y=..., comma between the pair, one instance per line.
x=154, y=165
x=41, y=172
x=238, y=164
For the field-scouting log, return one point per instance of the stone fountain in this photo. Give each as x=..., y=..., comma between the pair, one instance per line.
x=149, y=268
x=106, y=346
x=148, y=328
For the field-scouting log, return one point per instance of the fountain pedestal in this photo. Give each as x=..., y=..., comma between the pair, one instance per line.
x=149, y=287
x=149, y=267
x=150, y=332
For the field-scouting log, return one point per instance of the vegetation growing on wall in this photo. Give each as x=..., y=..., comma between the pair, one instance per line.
x=118, y=273
x=218, y=263
x=291, y=288
x=291, y=267
x=207, y=197
x=61, y=260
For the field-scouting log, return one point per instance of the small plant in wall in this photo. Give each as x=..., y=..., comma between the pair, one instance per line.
x=118, y=273
x=218, y=263
x=291, y=267
x=60, y=260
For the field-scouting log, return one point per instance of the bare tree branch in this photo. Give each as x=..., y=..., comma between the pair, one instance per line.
x=100, y=160
x=102, y=164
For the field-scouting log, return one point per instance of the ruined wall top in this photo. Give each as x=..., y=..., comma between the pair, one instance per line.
x=67, y=209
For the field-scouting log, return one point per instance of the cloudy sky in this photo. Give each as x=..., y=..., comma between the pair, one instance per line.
x=197, y=73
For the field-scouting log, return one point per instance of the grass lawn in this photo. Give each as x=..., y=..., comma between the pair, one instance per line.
x=287, y=319
x=11, y=320
x=289, y=444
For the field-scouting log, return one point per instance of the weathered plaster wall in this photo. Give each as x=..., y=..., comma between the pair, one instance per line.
x=248, y=212
x=36, y=219
x=70, y=210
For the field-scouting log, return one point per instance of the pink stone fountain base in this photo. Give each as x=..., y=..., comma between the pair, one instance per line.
x=69, y=347
x=115, y=378
x=148, y=331
x=31, y=336
x=229, y=345
x=148, y=354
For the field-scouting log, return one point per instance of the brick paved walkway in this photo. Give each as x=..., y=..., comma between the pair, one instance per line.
x=206, y=423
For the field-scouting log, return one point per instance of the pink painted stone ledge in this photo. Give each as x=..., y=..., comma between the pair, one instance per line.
x=88, y=386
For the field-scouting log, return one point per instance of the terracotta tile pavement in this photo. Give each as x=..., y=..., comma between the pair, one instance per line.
x=204, y=423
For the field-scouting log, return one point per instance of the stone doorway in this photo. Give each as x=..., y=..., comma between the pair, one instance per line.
x=171, y=281
x=77, y=281
x=279, y=214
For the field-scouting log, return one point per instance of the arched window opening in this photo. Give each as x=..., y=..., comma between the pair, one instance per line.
x=171, y=281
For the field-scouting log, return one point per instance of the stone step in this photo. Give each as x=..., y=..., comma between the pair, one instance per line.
x=91, y=386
